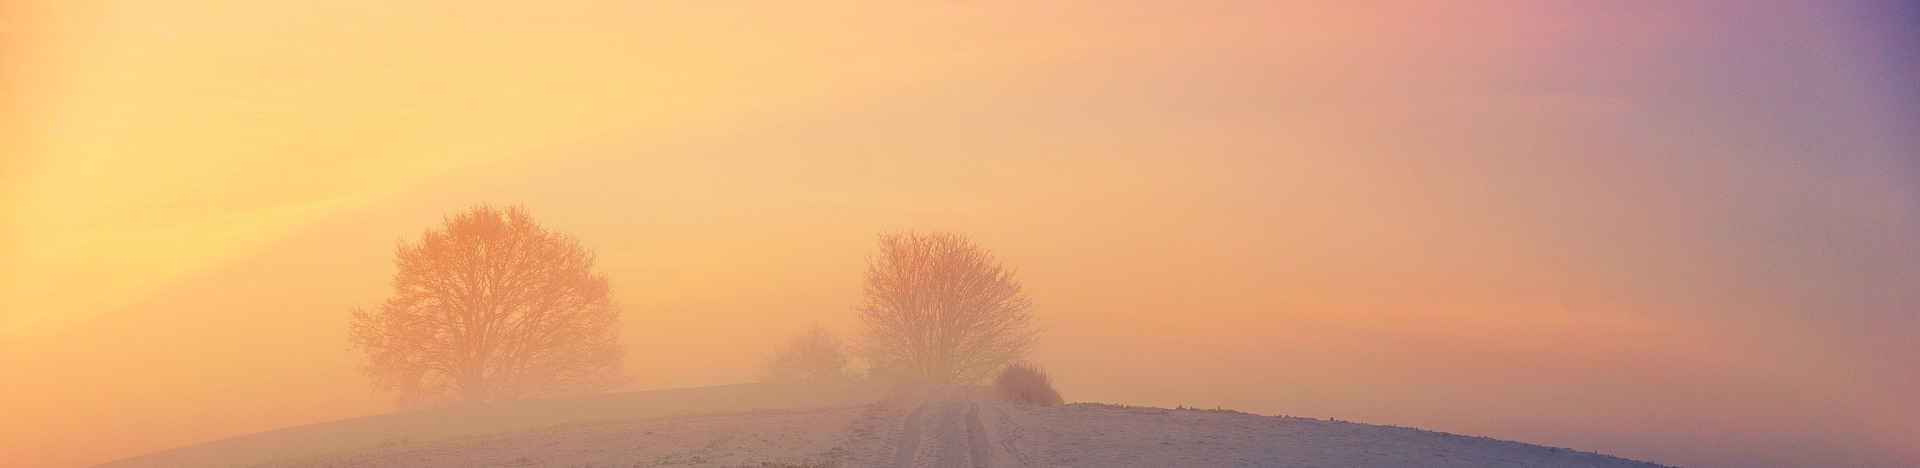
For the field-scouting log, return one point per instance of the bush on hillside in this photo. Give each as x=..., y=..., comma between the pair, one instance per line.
x=1027, y=384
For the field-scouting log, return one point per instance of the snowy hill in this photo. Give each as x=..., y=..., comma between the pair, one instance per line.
x=848, y=424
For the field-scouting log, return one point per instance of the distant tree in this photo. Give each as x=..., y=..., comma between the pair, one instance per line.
x=491, y=307
x=814, y=355
x=939, y=308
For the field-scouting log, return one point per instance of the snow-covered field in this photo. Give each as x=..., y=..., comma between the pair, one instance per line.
x=850, y=424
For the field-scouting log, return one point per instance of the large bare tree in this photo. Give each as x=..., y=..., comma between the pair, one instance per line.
x=490, y=307
x=941, y=309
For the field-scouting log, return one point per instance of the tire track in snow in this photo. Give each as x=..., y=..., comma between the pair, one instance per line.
x=909, y=445
x=978, y=449
x=945, y=431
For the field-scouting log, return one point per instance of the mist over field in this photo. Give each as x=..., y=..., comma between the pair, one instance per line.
x=1678, y=233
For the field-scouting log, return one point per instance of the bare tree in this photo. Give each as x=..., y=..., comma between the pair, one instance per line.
x=491, y=307
x=941, y=309
x=814, y=355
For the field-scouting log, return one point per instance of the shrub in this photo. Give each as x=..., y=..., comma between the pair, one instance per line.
x=1026, y=383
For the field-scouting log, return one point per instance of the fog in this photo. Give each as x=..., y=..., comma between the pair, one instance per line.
x=1683, y=233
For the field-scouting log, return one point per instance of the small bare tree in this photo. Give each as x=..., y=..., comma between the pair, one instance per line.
x=814, y=355
x=939, y=308
x=491, y=307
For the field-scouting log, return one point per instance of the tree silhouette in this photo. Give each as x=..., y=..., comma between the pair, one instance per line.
x=491, y=307
x=814, y=355
x=939, y=308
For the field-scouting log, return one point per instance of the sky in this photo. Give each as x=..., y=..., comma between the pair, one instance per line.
x=1681, y=232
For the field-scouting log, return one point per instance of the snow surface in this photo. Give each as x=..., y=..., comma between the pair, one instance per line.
x=851, y=424
x=442, y=424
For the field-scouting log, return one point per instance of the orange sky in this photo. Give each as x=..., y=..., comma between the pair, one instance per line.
x=1681, y=233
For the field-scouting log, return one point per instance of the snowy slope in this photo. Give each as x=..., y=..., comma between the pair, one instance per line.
x=438, y=424
x=869, y=425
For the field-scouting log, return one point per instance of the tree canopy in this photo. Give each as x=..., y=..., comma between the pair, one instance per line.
x=491, y=306
x=938, y=307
